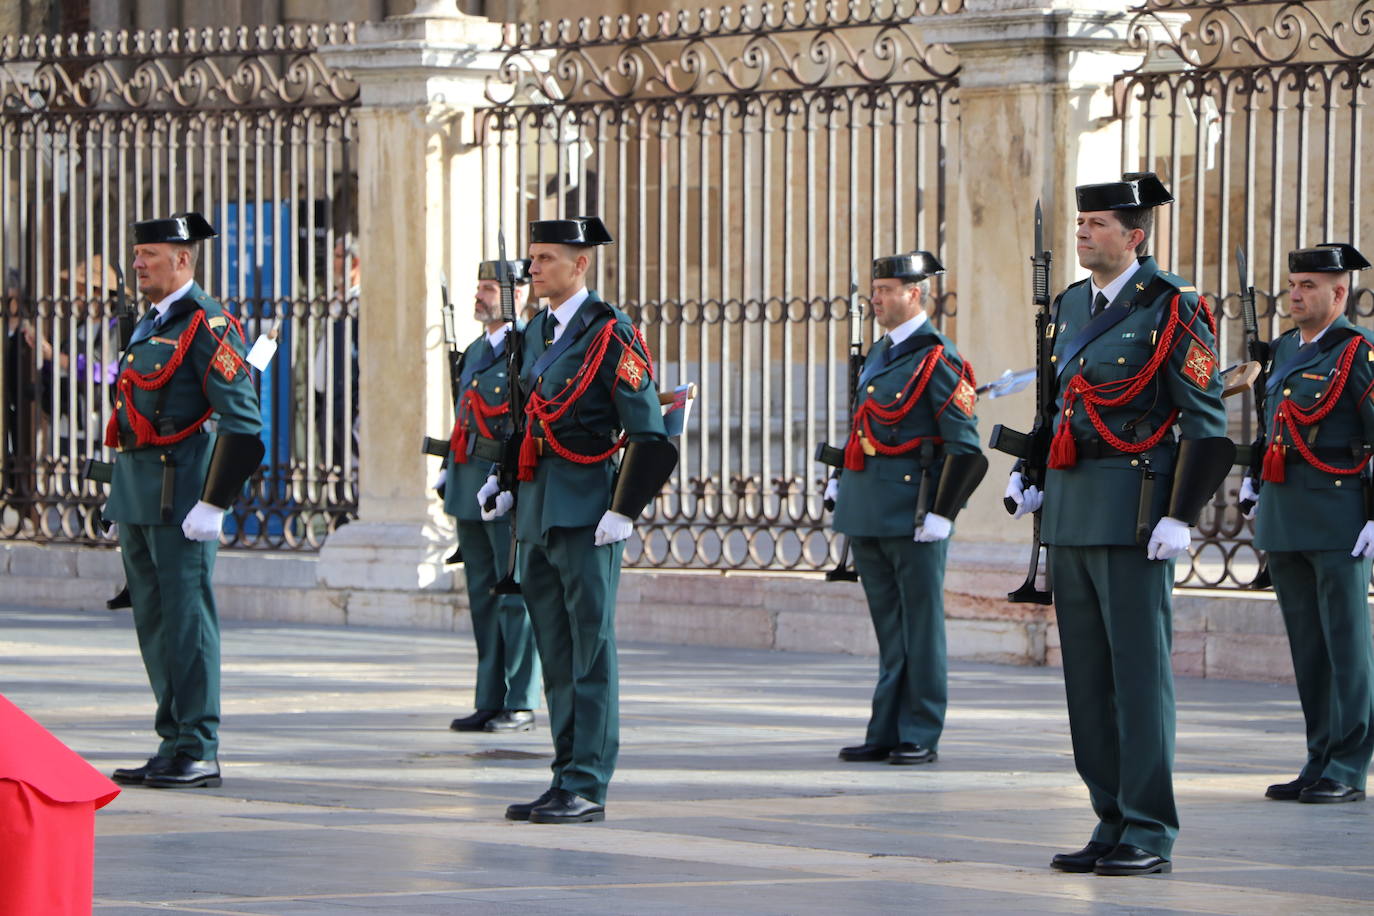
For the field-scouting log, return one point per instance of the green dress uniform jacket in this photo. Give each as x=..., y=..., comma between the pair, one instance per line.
x=507, y=661
x=1309, y=522
x=569, y=583
x=1107, y=593
x=877, y=506
x=169, y=576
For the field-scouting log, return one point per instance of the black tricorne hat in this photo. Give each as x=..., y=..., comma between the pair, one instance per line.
x=1328, y=257
x=913, y=267
x=1134, y=191
x=180, y=227
x=579, y=230
x=491, y=270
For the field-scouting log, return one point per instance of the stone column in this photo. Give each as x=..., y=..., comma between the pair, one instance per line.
x=421, y=77
x=1036, y=119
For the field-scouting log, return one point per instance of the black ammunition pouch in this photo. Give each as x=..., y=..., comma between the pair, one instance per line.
x=1201, y=466
x=644, y=469
x=959, y=478
x=235, y=458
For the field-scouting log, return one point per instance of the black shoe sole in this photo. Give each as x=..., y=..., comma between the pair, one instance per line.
x=517, y=815
x=507, y=729
x=588, y=818
x=1074, y=868
x=1331, y=799
x=1281, y=796
x=209, y=782
x=127, y=780
x=1162, y=869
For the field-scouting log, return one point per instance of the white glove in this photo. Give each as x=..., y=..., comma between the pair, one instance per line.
x=613, y=528
x=1248, y=491
x=441, y=479
x=1169, y=539
x=504, y=499
x=934, y=528
x=202, y=523
x=1364, y=544
x=832, y=490
x=1027, y=499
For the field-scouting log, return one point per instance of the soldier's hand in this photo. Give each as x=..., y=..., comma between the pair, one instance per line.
x=489, y=490
x=1364, y=544
x=1169, y=539
x=934, y=528
x=203, y=522
x=832, y=490
x=613, y=528
x=441, y=482
x=1249, y=494
x=1027, y=499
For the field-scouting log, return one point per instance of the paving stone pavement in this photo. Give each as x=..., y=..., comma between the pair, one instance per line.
x=345, y=792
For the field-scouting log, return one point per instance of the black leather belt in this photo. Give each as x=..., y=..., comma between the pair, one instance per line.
x=1326, y=453
x=1100, y=448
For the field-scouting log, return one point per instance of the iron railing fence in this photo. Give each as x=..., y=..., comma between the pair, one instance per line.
x=750, y=165
x=1259, y=129
x=253, y=130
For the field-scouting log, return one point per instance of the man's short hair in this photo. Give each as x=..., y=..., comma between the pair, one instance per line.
x=1142, y=218
x=193, y=248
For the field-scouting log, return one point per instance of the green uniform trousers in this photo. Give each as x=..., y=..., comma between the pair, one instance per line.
x=1116, y=634
x=570, y=587
x=904, y=584
x=1324, y=597
x=507, y=662
x=178, y=633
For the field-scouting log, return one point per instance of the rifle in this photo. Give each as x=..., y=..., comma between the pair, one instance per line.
x=123, y=310
x=1034, y=449
x=455, y=353
x=843, y=572
x=508, y=474
x=1258, y=351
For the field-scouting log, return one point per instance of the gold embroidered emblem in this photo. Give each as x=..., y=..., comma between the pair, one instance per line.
x=217, y=321
x=1198, y=364
x=965, y=397
x=1140, y=287
x=226, y=362
x=631, y=369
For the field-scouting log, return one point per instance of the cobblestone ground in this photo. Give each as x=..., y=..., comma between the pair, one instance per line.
x=345, y=792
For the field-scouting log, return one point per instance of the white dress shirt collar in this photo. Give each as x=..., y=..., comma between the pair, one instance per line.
x=495, y=337
x=166, y=303
x=904, y=330
x=565, y=312
x=1113, y=288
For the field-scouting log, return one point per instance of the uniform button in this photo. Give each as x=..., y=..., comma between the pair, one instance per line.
x=1121, y=360
x=1054, y=359
x=870, y=389
x=131, y=357
x=1082, y=360
x=164, y=458
x=157, y=366
x=497, y=389
x=1135, y=462
x=1287, y=392
x=906, y=477
x=119, y=405
x=474, y=383
x=1338, y=483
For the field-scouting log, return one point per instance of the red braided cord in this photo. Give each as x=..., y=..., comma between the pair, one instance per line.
x=1093, y=400
x=896, y=410
x=144, y=433
x=1289, y=414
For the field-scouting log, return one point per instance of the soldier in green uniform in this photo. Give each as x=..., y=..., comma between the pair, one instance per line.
x=591, y=392
x=507, y=662
x=913, y=425
x=173, y=481
x=1138, y=447
x=1314, y=511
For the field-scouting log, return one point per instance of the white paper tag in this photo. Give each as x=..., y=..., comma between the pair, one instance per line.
x=263, y=349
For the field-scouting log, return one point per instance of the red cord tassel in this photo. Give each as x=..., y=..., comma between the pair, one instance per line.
x=529, y=458
x=1273, y=471
x=112, y=431
x=853, y=454
x=458, y=443
x=1063, y=448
